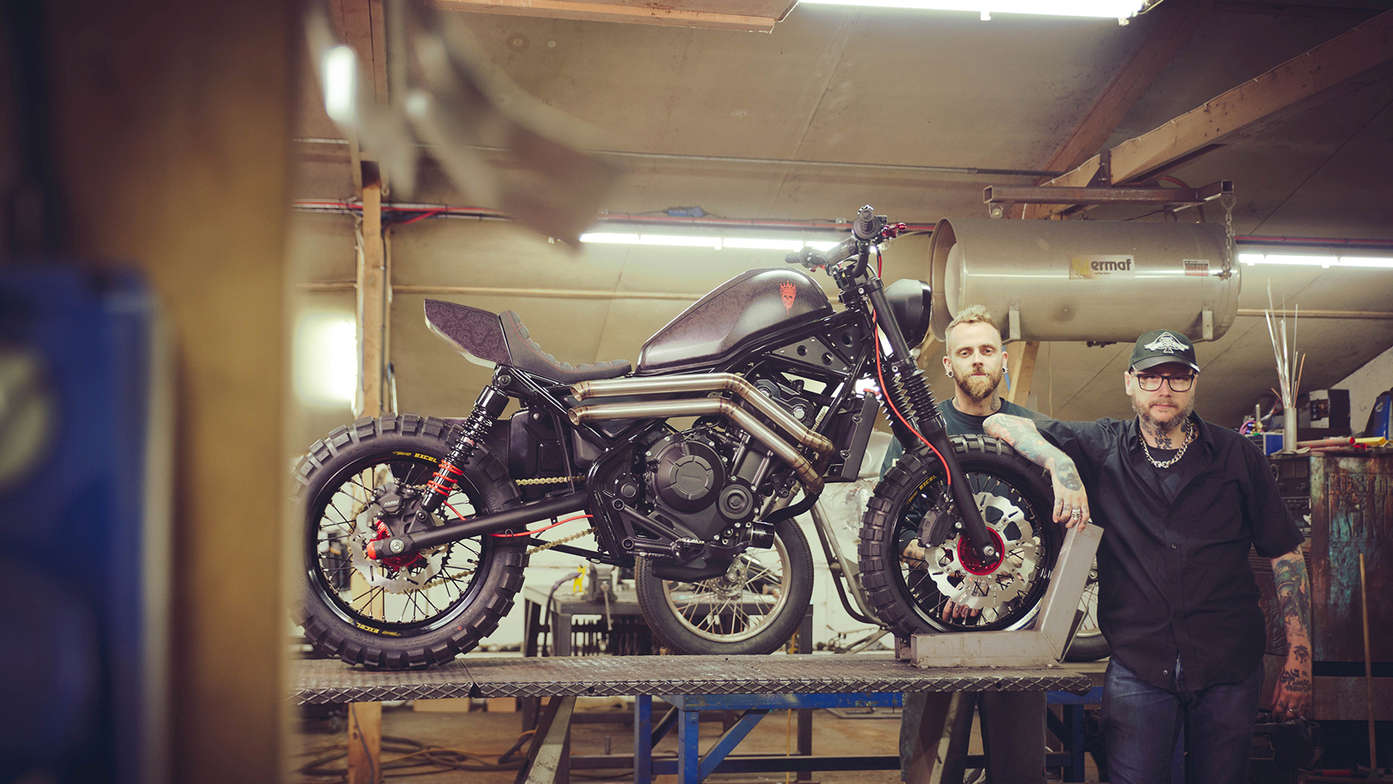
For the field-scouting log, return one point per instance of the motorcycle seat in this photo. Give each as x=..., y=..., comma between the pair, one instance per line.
x=527, y=354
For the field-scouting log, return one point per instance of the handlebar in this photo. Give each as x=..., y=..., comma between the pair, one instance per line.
x=866, y=230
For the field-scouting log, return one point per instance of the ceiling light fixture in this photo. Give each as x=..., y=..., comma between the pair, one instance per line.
x=1326, y=262
x=711, y=242
x=1121, y=10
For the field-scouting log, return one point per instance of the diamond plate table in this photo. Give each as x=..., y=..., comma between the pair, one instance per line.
x=759, y=683
x=329, y=681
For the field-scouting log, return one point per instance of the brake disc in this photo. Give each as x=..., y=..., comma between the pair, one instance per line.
x=1009, y=580
x=405, y=579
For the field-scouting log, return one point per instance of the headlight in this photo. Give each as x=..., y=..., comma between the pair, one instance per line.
x=911, y=302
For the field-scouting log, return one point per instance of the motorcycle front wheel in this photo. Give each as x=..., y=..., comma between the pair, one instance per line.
x=405, y=612
x=909, y=589
x=754, y=608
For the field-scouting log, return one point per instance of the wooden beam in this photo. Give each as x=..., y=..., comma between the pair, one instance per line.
x=1021, y=367
x=655, y=14
x=195, y=208
x=373, y=294
x=1177, y=23
x=361, y=24
x=365, y=743
x=1299, y=79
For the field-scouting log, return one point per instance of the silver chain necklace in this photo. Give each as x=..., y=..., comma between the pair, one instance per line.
x=1189, y=428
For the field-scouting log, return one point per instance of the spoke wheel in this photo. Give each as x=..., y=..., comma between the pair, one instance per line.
x=754, y=607
x=733, y=606
x=409, y=611
x=910, y=593
x=420, y=592
x=1088, y=643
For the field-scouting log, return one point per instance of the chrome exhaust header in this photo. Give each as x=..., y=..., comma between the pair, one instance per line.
x=706, y=406
x=707, y=382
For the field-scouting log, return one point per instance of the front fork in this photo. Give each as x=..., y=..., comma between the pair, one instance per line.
x=912, y=392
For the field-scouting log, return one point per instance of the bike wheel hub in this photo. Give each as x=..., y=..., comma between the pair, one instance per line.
x=392, y=573
x=973, y=562
x=962, y=576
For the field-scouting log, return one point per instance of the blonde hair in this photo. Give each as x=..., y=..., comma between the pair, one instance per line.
x=972, y=314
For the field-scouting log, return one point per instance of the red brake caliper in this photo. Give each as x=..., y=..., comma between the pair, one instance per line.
x=394, y=561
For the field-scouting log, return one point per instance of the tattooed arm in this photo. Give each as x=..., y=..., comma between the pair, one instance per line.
x=1293, y=694
x=1022, y=434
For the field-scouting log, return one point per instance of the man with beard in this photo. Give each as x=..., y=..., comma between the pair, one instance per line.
x=1181, y=501
x=976, y=362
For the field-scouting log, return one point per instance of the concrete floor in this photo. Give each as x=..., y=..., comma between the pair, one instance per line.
x=489, y=734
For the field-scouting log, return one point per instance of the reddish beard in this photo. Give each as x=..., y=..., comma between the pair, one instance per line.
x=977, y=387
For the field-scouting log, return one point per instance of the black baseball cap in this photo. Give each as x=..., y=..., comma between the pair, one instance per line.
x=1163, y=346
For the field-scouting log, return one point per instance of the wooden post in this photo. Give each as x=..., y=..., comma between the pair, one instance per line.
x=365, y=743
x=1021, y=367
x=373, y=296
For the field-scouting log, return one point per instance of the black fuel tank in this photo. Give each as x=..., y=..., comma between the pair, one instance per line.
x=743, y=308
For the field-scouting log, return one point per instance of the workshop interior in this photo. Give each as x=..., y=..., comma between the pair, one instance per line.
x=479, y=391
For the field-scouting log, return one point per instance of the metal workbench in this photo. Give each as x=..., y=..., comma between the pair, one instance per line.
x=694, y=683
x=329, y=681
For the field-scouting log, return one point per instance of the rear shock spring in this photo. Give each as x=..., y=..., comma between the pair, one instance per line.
x=471, y=436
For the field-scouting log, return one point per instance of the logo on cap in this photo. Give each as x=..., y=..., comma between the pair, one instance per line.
x=1165, y=342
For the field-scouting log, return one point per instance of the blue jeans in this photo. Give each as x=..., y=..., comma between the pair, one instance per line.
x=1142, y=724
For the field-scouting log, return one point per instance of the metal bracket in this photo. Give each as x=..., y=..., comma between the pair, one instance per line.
x=1177, y=198
x=1041, y=646
x=1013, y=322
x=1207, y=324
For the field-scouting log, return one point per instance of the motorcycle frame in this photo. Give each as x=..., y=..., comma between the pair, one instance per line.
x=866, y=311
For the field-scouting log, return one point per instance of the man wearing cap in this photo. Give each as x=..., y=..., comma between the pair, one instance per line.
x=1181, y=501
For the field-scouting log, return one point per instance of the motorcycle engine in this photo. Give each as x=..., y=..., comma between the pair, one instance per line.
x=688, y=480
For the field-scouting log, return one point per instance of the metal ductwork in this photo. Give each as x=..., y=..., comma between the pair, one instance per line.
x=1085, y=280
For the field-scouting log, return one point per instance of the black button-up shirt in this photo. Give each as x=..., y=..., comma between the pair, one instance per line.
x=1173, y=571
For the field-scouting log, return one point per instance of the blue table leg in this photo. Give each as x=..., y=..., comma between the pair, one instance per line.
x=1073, y=716
x=689, y=747
x=643, y=742
x=727, y=743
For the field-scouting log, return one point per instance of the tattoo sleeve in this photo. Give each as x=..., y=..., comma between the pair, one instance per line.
x=1294, y=598
x=1022, y=434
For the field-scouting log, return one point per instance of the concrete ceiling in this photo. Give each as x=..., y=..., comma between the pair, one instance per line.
x=920, y=100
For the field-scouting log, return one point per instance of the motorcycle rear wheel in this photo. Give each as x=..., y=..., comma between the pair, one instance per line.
x=753, y=609
x=422, y=611
x=1016, y=502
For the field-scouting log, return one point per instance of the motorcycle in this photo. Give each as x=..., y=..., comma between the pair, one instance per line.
x=417, y=529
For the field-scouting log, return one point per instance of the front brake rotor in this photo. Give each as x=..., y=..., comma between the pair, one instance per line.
x=980, y=586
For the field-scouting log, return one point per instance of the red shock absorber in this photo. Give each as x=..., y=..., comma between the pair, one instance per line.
x=490, y=404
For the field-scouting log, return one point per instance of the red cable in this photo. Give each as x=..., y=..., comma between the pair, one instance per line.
x=884, y=390
x=547, y=528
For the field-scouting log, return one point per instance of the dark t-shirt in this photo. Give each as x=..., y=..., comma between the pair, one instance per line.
x=1173, y=571
x=957, y=424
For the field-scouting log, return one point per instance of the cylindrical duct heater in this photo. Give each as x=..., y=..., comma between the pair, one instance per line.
x=1085, y=280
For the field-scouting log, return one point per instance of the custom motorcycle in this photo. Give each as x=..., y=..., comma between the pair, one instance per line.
x=690, y=468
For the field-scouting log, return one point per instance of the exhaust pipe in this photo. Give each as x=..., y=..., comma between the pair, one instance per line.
x=711, y=382
x=706, y=406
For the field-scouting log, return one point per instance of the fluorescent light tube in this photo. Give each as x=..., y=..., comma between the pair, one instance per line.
x=1101, y=9
x=1370, y=262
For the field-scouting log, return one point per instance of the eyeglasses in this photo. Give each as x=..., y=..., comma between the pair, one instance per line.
x=1150, y=382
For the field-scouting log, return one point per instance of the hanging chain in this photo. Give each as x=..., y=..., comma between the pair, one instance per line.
x=1227, y=201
